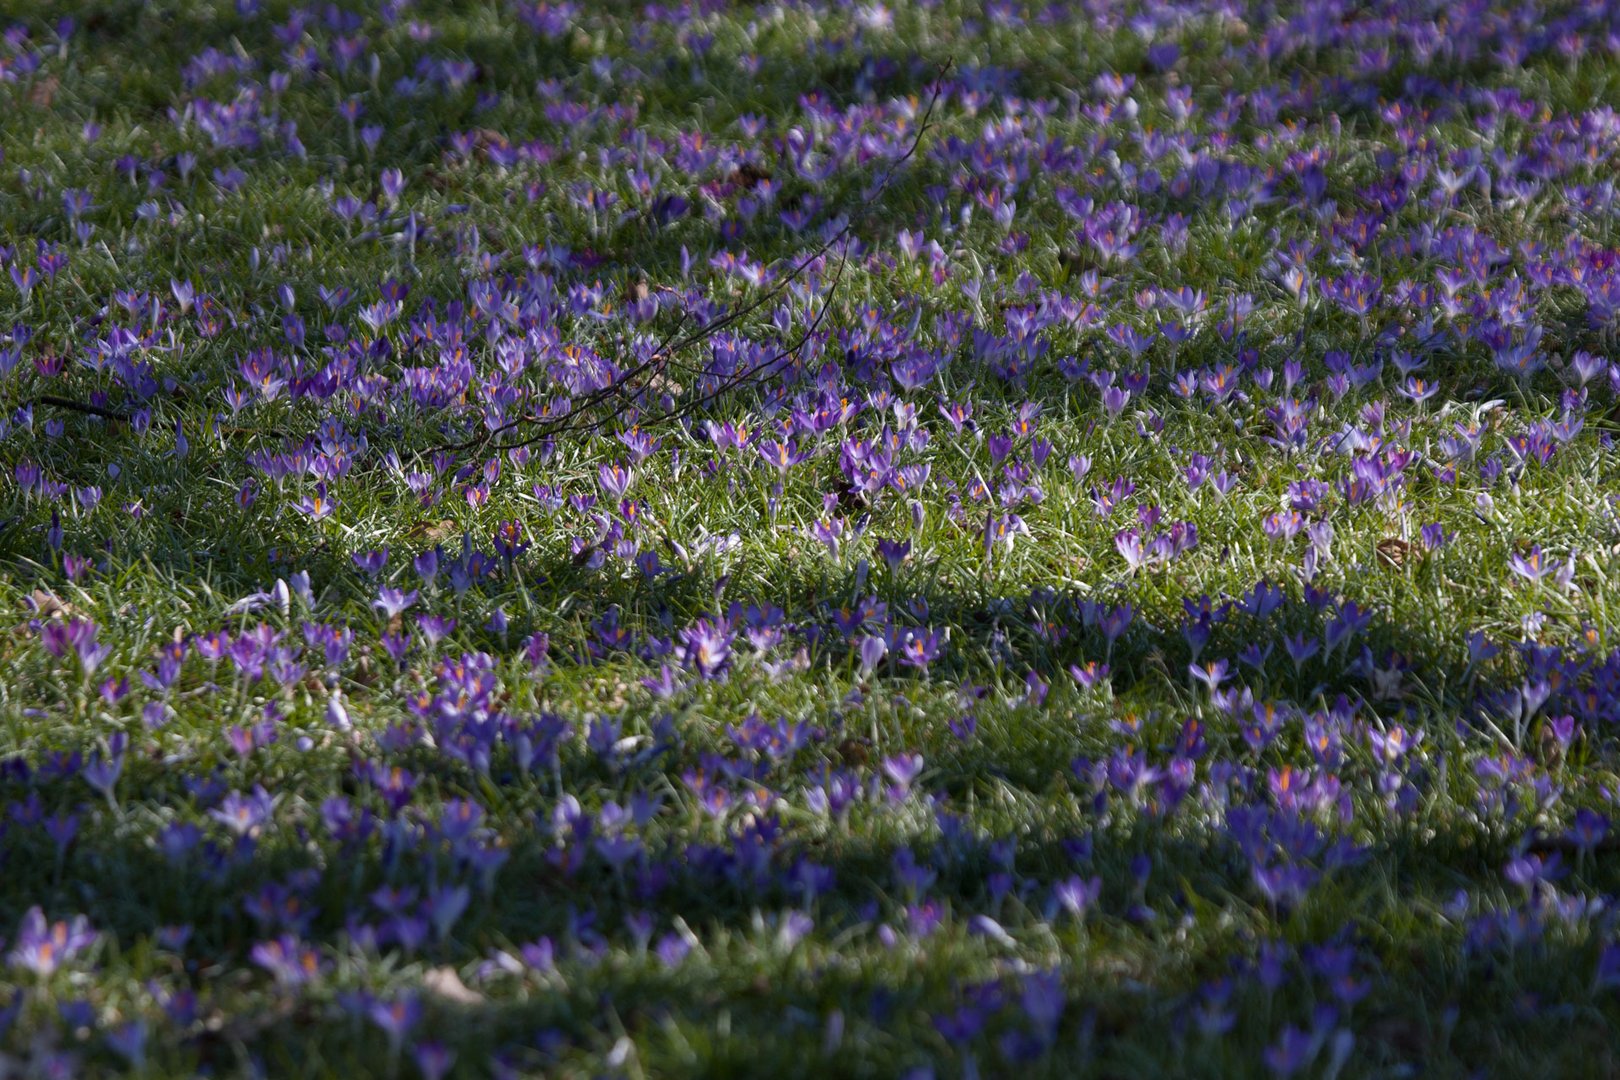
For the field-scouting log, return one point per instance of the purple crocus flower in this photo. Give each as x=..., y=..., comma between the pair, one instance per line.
x=1589, y=830
x=1434, y=536
x=1292, y=1051
x=1608, y=967
x=396, y=1018
x=370, y=563
x=76, y=634
x=433, y=1059
x=918, y=649
x=42, y=947
x=318, y=506
x=903, y=769
x=830, y=532
x=102, y=771
x=291, y=962
x=706, y=647
x=872, y=649
x=1077, y=895
x=392, y=602
x=245, y=814
x=781, y=454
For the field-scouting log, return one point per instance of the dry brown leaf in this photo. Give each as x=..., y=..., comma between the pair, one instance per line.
x=434, y=532
x=49, y=606
x=749, y=175
x=855, y=751
x=1393, y=551
x=365, y=673
x=43, y=92
x=444, y=982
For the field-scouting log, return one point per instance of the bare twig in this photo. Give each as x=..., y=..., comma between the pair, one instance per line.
x=630, y=385
x=85, y=407
x=563, y=424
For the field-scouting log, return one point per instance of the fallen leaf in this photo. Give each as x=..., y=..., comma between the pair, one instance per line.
x=749, y=175
x=1393, y=551
x=49, y=606
x=365, y=673
x=43, y=92
x=434, y=532
x=854, y=751
x=444, y=982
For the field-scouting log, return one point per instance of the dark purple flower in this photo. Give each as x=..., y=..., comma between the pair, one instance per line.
x=1589, y=830
x=245, y=815
x=918, y=649
x=433, y=1059
x=290, y=961
x=1292, y=1051
x=1076, y=895
x=396, y=1018
x=42, y=947
x=706, y=647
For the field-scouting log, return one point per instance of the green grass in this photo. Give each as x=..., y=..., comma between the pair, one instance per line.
x=914, y=929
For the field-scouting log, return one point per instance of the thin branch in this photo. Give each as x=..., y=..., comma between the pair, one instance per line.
x=627, y=385
x=562, y=424
x=85, y=407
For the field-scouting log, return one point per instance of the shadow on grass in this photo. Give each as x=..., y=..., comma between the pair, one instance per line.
x=1128, y=997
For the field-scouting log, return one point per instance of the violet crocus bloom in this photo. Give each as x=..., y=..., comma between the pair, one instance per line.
x=903, y=769
x=318, y=506
x=706, y=647
x=243, y=814
x=396, y=1018
x=76, y=634
x=42, y=947
x=291, y=962
x=919, y=649
x=370, y=563
x=894, y=552
x=829, y=532
x=434, y=1059
x=392, y=602
x=872, y=650
x=615, y=478
x=102, y=772
x=1077, y=895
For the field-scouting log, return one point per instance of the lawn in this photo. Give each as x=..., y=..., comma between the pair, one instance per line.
x=803, y=539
